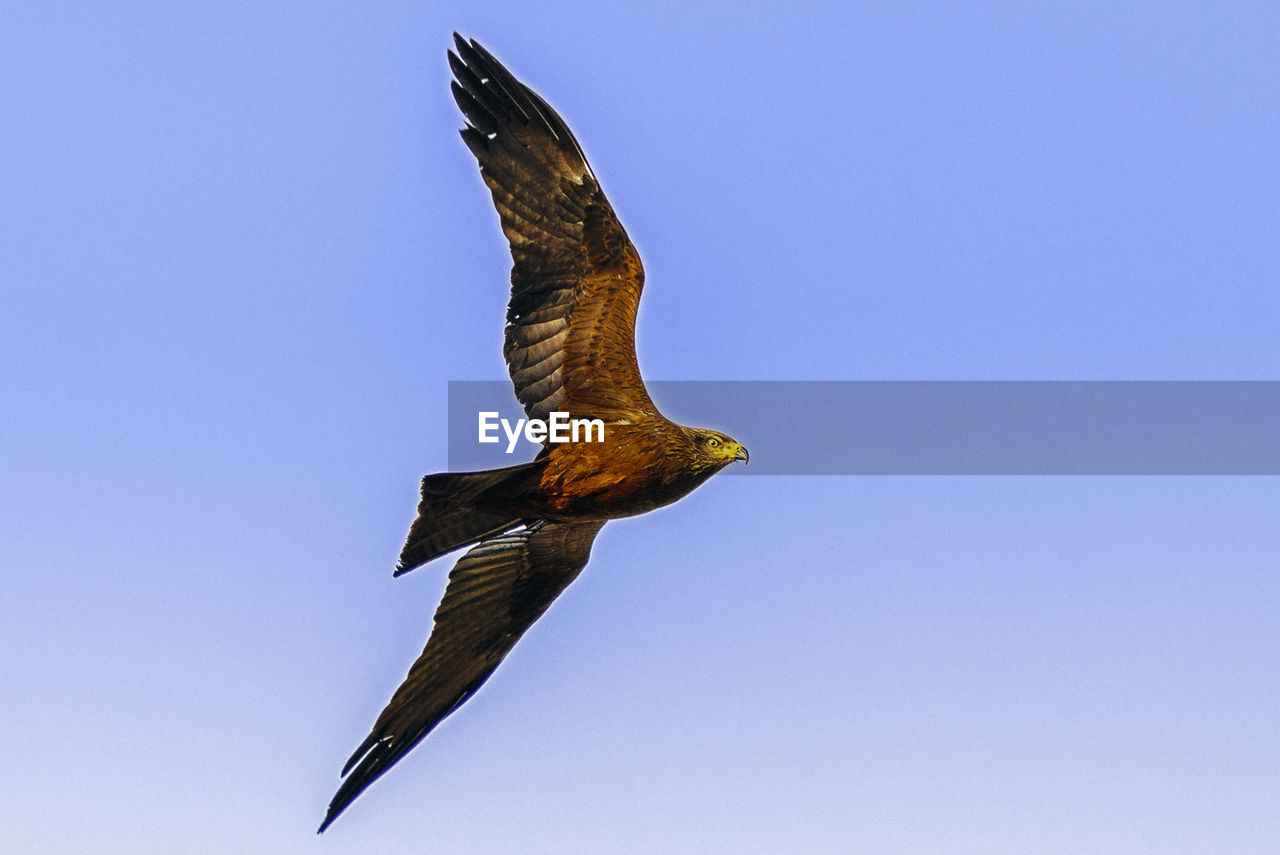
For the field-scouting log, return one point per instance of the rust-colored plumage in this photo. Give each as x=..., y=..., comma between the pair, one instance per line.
x=569, y=347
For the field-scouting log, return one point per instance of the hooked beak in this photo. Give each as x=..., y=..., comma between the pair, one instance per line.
x=742, y=455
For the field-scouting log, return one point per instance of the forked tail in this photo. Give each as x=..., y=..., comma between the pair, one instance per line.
x=459, y=509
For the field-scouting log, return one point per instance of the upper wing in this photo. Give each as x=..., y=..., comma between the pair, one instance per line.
x=495, y=593
x=570, y=336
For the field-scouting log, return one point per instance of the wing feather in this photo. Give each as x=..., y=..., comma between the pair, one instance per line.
x=576, y=282
x=495, y=592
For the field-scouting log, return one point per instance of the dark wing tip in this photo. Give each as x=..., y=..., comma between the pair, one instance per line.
x=330, y=815
x=373, y=759
x=499, y=98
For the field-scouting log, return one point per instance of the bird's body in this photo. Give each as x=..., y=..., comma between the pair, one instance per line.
x=638, y=467
x=569, y=344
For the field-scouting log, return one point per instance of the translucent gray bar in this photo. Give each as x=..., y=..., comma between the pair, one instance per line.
x=945, y=427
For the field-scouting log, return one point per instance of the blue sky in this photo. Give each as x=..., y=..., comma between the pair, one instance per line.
x=244, y=251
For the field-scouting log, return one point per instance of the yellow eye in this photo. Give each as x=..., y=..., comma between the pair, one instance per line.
x=713, y=442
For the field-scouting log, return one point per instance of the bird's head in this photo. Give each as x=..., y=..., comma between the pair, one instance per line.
x=717, y=449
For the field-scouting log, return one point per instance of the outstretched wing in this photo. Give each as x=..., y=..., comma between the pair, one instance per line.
x=495, y=593
x=575, y=286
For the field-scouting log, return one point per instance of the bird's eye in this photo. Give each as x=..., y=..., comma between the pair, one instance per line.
x=713, y=442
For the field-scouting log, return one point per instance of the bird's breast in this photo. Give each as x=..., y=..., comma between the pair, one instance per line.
x=632, y=471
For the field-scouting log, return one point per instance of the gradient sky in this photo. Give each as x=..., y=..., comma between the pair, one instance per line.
x=242, y=251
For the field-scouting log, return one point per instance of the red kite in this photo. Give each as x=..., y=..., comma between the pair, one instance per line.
x=570, y=348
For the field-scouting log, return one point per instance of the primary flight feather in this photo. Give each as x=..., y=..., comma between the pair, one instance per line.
x=569, y=346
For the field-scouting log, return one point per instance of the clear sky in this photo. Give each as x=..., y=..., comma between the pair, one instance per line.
x=242, y=251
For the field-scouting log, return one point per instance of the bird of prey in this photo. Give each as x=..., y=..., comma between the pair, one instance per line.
x=569, y=348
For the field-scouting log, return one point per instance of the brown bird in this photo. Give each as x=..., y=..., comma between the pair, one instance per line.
x=570, y=348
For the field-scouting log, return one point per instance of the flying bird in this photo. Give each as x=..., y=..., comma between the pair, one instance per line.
x=569, y=346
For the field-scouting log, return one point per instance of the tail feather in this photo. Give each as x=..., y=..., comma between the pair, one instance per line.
x=457, y=510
